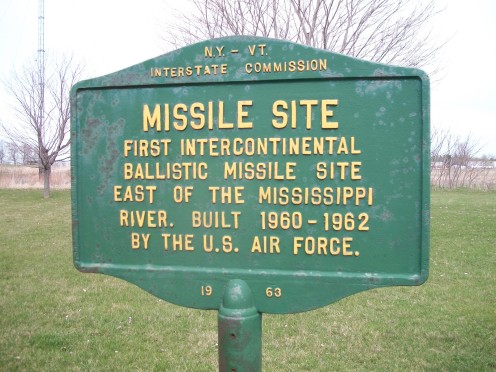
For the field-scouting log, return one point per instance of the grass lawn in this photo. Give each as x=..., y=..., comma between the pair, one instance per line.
x=54, y=318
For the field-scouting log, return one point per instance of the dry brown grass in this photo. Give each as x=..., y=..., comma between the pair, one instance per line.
x=471, y=178
x=24, y=177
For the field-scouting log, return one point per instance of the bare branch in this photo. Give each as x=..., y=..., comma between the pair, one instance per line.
x=42, y=107
x=388, y=31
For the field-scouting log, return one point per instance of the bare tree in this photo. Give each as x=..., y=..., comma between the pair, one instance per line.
x=2, y=152
x=388, y=31
x=13, y=152
x=455, y=161
x=29, y=155
x=42, y=107
x=442, y=148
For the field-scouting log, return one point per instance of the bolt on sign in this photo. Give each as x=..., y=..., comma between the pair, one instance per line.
x=302, y=173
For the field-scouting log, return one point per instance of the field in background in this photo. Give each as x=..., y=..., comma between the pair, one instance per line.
x=57, y=319
x=25, y=177
x=473, y=178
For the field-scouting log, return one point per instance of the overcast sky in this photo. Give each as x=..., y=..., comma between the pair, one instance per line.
x=113, y=34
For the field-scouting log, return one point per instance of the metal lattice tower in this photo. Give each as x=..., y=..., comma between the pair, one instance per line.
x=41, y=58
x=41, y=72
x=41, y=34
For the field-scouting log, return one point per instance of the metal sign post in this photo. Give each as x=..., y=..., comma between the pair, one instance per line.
x=240, y=330
x=250, y=175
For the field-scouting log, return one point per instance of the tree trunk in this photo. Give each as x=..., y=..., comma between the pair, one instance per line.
x=46, y=183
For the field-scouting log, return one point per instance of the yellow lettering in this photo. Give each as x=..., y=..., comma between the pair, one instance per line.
x=222, y=123
x=151, y=121
x=280, y=114
x=323, y=246
x=268, y=244
x=178, y=242
x=243, y=114
x=137, y=239
x=309, y=103
x=178, y=116
x=197, y=115
x=225, y=194
x=326, y=113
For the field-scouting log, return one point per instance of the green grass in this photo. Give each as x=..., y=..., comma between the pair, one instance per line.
x=53, y=318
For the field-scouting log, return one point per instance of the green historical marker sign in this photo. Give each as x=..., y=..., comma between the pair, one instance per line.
x=302, y=173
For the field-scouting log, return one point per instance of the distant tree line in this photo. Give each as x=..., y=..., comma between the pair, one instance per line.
x=456, y=162
x=18, y=154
